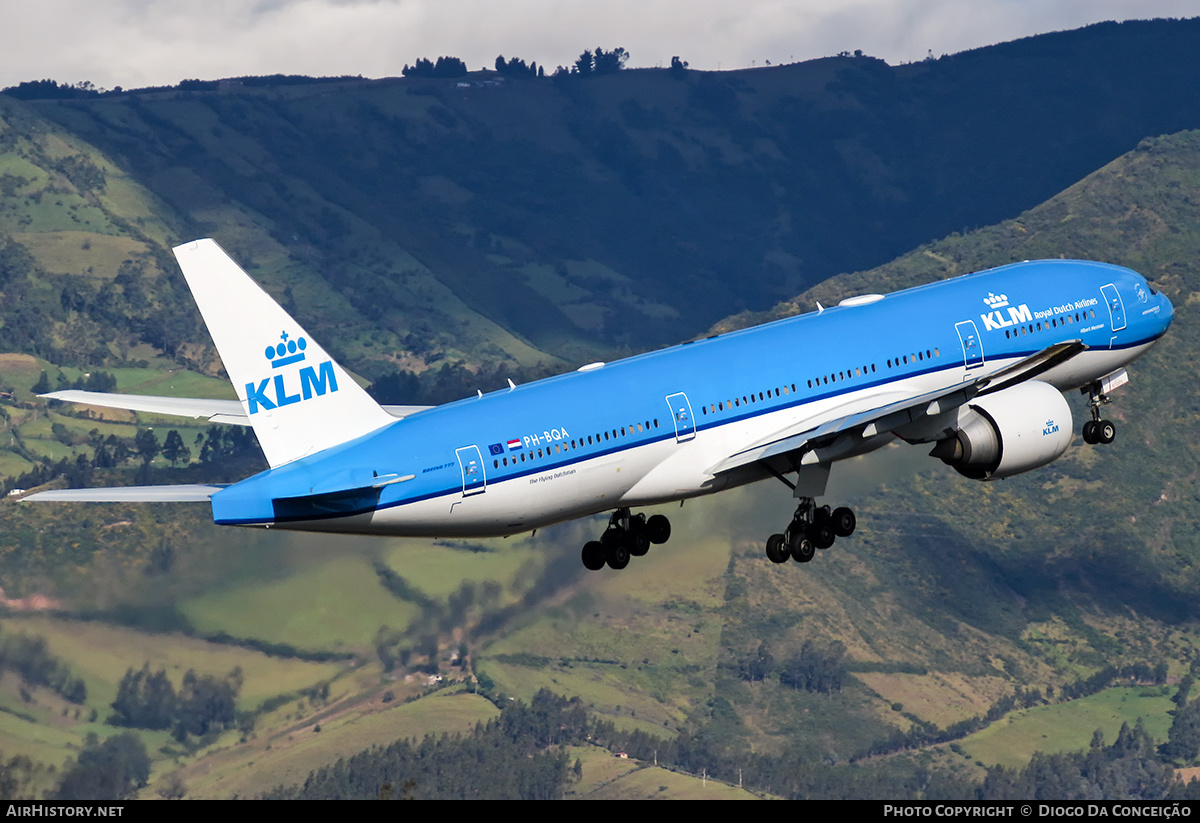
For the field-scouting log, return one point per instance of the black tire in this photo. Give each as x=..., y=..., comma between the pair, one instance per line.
x=821, y=534
x=844, y=521
x=777, y=550
x=1089, y=432
x=638, y=541
x=801, y=548
x=658, y=527
x=593, y=556
x=610, y=537
x=617, y=554
x=1105, y=432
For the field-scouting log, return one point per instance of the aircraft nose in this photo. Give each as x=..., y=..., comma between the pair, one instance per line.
x=1167, y=313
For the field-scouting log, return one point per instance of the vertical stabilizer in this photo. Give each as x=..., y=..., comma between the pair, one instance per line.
x=298, y=400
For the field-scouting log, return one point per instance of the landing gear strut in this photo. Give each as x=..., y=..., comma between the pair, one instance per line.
x=628, y=535
x=1097, y=430
x=812, y=528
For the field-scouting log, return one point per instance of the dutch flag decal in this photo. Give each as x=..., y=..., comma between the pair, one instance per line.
x=513, y=445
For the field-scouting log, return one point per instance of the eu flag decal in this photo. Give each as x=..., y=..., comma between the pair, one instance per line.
x=496, y=448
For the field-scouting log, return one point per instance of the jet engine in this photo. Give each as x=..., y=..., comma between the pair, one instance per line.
x=1009, y=432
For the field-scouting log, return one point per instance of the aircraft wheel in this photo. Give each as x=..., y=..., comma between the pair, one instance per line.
x=638, y=541
x=616, y=550
x=617, y=554
x=821, y=534
x=1089, y=433
x=844, y=521
x=658, y=528
x=777, y=551
x=593, y=555
x=610, y=537
x=801, y=547
x=1105, y=432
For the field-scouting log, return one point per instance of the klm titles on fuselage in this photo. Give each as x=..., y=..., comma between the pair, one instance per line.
x=1017, y=315
x=313, y=382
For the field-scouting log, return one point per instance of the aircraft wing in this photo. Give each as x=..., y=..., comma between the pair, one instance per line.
x=195, y=493
x=807, y=437
x=215, y=411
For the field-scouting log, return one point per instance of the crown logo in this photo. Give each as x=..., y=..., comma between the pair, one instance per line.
x=286, y=352
x=996, y=301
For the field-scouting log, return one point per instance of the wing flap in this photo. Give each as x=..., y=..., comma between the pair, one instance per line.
x=1032, y=366
x=870, y=421
x=808, y=434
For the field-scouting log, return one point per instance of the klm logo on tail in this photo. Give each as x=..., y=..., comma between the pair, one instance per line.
x=995, y=320
x=314, y=382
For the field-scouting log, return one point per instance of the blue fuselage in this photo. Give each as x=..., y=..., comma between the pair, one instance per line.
x=647, y=429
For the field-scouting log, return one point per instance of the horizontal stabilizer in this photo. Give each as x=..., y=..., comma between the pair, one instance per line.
x=218, y=411
x=194, y=493
x=215, y=411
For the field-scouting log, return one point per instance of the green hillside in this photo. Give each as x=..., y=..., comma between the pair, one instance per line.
x=431, y=216
x=415, y=225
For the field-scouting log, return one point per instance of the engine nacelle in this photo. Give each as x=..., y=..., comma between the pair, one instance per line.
x=1009, y=432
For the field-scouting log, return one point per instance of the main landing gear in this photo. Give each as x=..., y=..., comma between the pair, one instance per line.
x=628, y=535
x=1098, y=431
x=811, y=528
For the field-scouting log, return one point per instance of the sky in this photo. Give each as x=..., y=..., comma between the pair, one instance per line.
x=134, y=43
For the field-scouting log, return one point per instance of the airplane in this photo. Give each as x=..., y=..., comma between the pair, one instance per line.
x=975, y=365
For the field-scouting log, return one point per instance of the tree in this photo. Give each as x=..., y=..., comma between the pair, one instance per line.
x=146, y=444
x=444, y=67
x=583, y=65
x=678, y=67
x=174, y=448
x=609, y=62
x=112, y=770
x=758, y=665
x=1183, y=738
x=206, y=704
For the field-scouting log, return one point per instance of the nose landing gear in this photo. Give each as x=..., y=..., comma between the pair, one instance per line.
x=1098, y=431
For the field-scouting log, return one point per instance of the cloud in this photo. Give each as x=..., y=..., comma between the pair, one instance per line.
x=154, y=42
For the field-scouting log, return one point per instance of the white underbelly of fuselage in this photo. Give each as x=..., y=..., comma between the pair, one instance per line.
x=661, y=471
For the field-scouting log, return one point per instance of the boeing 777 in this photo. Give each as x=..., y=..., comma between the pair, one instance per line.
x=975, y=365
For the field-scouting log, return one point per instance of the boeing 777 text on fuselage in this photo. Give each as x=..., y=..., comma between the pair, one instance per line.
x=975, y=366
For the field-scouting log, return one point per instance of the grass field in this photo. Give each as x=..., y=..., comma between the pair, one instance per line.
x=80, y=252
x=1069, y=726
x=941, y=698
x=440, y=568
x=100, y=653
x=39, y=724
x=285, y=752
x=609, y=777
x=336, y=606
